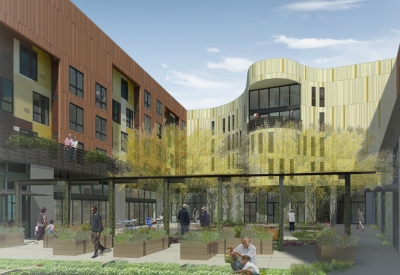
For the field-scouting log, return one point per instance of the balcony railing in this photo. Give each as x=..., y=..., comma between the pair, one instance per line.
x=18, y=147
x=272, y=121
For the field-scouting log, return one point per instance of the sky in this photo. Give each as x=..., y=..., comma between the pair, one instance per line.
x=200, y=51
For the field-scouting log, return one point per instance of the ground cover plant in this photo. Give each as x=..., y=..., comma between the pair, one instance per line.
x=304, y=235
x=320, y=267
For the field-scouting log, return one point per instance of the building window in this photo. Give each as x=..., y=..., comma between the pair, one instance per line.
x=322, y=97
x=313, y=146
x=101, y=128
x=159, y=129
x=313, y=96
x=212, y=146
x=124, y=89
x=172, y=119
x=104, y=152
x=233, y=122
x=147, y=123
x=40, y=108
x=28, y=62
x=229, y=142
x=6, y=95
x=147, y=100
x=124, y=142
x=212, y=127
x=101, y=97
x=183, y=125
x=223, y=125
x=129, y=118
x=229, y=123
x=159, y=108
x=75, y=82
x=322, y=146
x=116, y=111
x=270, y=142
x=75, y=118
x=321, y=121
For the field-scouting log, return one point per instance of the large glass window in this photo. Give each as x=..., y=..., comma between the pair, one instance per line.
x=6, y=95
x=129, y=118
x=124, y=89
x=284, y=96
x=264, y=100
x=101, y=96
x=253, y=100
x=75, y=118
x=159, y=108
x=313, y=96
x=40, y=108
x=28, y=62
x=101, y=128
x=116, y=111
x=147, y=100
x=294, y=94
x=147, y=123
x=274, y=97
x=75, y=82
x=322, y=97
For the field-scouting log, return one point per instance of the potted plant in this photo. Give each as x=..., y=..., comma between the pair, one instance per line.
x=261, y=238
x=334, y=246
x=106, y=237
x=237, y=236
x=199, y=244
x=224, y=235
x=71, y=241
x=11, y=236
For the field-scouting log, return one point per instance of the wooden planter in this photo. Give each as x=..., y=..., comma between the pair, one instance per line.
x=72, y=247
x=139, y=249
x=48, y=241
x=198, y=251
x=329, y=253
x=10, y=240
x=266, y=247
x=106, y=241
x=221, y=247
x=275, y=232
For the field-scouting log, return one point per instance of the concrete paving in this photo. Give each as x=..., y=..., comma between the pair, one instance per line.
x=372, y=257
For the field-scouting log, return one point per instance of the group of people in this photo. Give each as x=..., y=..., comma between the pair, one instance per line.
x=150, y=221
x=42, y=225
x=70, y=148
x=184, y=219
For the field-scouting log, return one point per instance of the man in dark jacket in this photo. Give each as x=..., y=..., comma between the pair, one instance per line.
x=183, y=217
x=97, y=227
x=205, y=218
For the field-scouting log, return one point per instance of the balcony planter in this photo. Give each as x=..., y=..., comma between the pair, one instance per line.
x=199, y=245
x=48, y=241
x=334, y=252
x=11, y=236
x=71, y=247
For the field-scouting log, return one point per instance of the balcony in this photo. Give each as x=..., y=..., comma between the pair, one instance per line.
x=18, y=147
x=273, y=121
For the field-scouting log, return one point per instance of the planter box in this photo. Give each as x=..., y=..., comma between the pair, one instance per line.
x=275, y=232
x=266, y=247
x=48, y=241
x=10, y=240
x=198, y=251
x=329, y=253
x=106, y=241
x=71, y=247
x=129, y=250
x=263, y=247
x=221, y=247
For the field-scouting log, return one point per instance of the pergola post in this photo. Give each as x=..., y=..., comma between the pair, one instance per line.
x=18, y=204
x=66, y=203
x=111, y=206
x=166, y=206
x=347, y=204
x=281, y=206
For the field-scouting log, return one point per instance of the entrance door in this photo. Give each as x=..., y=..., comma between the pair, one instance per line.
x=271, y=211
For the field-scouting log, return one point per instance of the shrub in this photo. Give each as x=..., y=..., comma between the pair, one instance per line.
x=226, y=234
x=140, y=235
x=70, y=234
x=320, y=267
x=85, y=227
x=200, y=236
x=258, y=232
x=107, y=231
x=4, y=230
x=95, y=157
x=331, y=237
x=238, y=231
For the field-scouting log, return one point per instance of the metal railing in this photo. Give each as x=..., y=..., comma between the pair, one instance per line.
x=22, y=148
x=273, y=121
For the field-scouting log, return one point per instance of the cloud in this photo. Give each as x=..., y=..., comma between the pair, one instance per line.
x=262, y=43
x=213, y=50
x=164, y=65
x=232, y=64
x=193, y=81
x=323, y=60
x=322, y=5
x=311, y=43
x=395, y=31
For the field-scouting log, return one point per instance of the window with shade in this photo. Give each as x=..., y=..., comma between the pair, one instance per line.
x=40, y=108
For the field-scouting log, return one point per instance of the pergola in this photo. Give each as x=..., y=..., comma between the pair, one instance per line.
x=112, y=181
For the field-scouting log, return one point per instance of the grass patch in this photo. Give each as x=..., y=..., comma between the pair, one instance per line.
x=305, y=236
x=320, y=268
x=119, y=267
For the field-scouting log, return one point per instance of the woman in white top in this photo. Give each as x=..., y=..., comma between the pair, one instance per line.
x=291, y=218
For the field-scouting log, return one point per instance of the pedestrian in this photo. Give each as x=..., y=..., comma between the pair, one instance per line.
x=67, y=144
x=41, y=225
x=183, y=217
x=291, y=218
x=205, y=218
x=246, y=248
x=360, y=216
x=97, y=227
x=248, y=267
x=73, y=149
x=149, y=221
x=195, y=215
x=50, y=228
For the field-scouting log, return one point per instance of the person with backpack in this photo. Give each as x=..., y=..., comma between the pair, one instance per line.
x=41, y=225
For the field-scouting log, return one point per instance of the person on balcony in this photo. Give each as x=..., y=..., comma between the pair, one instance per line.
x=73, y=150
x=67, y=145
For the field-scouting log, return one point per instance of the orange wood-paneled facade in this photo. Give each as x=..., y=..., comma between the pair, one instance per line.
x=61, y=30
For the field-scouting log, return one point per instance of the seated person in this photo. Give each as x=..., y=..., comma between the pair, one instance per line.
x=248, y=267
x=246, y=248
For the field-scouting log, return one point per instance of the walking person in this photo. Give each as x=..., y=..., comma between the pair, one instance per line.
x=41, y=225
x=205, y=218
x=195, y=215
x=184, y=220
x=97, y=227
x=50, y=228
x=360, y=216
x=291, y=218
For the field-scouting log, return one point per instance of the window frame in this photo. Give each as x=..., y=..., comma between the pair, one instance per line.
x=76, y=116
x=101, y=132
x=2, y=98
x=313, y=96
x=76, y=72
x=159, y=108
x=45, y=101
x=147, y=126
x=33, y=62
x=100, y=102
x=147, y=100
x=129, y=118
x=116, y=111
x=322, y=97
x=124, y=89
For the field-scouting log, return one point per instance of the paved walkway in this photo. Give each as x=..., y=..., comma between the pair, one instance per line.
x=372, y=257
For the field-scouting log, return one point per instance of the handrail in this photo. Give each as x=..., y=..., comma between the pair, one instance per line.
x=272, y=121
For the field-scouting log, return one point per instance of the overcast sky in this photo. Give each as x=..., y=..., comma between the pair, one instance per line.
x=200, y=51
